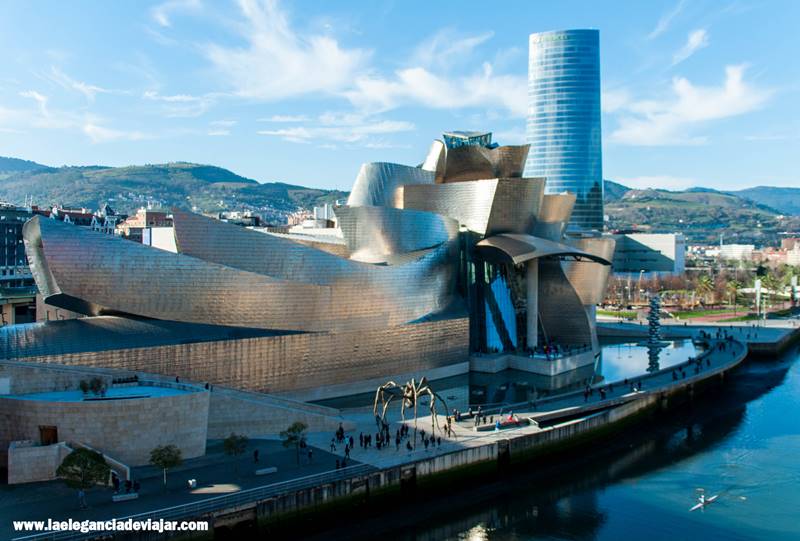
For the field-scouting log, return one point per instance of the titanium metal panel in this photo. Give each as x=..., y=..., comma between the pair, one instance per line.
x=103, y=333
x=561, y=312
x=434, y=161
x=376, y=183
x=472, y=162
x=98, y=274
x=486, y=206
x=522, y=248
x=373, y=233
x=590, y=278
x=554, y=215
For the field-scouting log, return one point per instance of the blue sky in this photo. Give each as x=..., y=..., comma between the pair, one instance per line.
x=694, y=92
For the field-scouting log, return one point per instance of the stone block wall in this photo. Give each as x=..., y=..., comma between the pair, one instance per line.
x=28, y=462
x=124, y=429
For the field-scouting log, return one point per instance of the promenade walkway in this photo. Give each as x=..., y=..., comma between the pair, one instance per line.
x=546, y=411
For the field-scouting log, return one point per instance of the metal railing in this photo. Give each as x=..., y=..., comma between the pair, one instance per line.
x=209, y=505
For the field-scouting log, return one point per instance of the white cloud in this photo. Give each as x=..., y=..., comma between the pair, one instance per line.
x=661, y=182
x=161, y=13
x=419, y=86
x=286, y=118
x=219, y=133
x=89, y=91
x=341, y=128
x=614, y=99
x=101, y=134
x=672, y=121
x=697, y=39
x=40, y=99
x=447, y=47
x=223, y=123
x=180, y=105
x=666, y=20
x=277, y=63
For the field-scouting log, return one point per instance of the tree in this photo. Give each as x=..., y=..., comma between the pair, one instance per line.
x=235, y=445
x=97, y=386
x=83, y=468
x=705, y=285
x=295, y=436
x=732, y=289
x=166, y=457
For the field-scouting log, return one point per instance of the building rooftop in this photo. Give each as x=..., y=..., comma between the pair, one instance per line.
x=105, y=333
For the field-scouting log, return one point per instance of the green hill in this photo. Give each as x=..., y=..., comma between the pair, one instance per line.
x=701, y=214
x=785, y=200
x=205, y=188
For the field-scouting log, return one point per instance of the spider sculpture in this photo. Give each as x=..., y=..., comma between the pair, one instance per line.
x=409, y=395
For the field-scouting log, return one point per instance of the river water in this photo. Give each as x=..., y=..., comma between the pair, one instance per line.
x=741, y=442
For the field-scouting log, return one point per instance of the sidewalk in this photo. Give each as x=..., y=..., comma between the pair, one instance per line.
x=215, y=476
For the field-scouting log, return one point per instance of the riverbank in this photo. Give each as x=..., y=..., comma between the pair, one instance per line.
x=549, y=425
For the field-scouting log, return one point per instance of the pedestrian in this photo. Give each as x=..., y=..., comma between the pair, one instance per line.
x=408, y=445
x=438, y=442
x=361, y=439
x=82, y=499
x=115, y=482
x=346, y=451
x=136, y=486
x=177, y=379
x=310, y=455
x=333, y=445
x=352, y=442
x=255, y=456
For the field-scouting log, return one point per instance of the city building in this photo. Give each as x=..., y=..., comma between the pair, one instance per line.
x=736, y=252
x=461, y=255
x=17, y=289
x=649, y=253
x=133, y=227
x=563, y=125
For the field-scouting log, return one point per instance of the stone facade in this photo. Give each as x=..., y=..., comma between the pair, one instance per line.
x=29, y=463
x=126, y=429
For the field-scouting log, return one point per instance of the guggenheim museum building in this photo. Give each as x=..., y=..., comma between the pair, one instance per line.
x=459, y=256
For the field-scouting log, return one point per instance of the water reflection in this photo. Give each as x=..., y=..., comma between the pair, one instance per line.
x=617, y=361
x=737, y=441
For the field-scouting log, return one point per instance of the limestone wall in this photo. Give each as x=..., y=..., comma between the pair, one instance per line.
x=28, y=462
x=125, y=429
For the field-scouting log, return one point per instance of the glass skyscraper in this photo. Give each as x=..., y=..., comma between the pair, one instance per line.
x=563, y=126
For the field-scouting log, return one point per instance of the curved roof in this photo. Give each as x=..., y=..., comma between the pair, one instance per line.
x=521, y=248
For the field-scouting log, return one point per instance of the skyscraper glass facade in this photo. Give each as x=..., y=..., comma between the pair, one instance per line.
x=563, y=126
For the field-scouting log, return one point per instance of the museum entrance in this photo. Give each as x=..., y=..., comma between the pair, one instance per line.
x=48, y=435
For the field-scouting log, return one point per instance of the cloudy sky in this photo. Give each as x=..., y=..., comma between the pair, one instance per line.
x=694, y=92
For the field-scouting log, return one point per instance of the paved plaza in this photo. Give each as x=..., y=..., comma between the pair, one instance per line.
x=216, y=475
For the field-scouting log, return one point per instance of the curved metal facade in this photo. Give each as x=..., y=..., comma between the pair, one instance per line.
x=563, y=126
x=522, y=248
x=117, y=276
x=376, y=183
x=590, y=278
x=420, y=243
x=499, y=205
x=472, y=162
x=375, y=234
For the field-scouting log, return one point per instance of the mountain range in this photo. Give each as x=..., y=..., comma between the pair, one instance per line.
x=754, y=215
x=204, y=188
